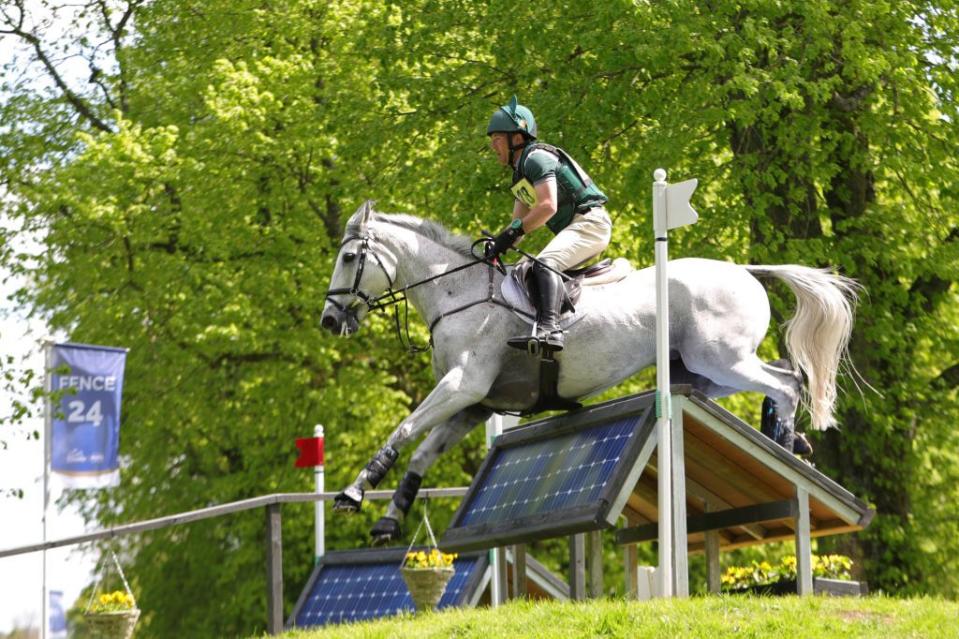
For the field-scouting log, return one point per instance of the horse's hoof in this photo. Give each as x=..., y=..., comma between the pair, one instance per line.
x=348, y=501
x=385, y=530
x=801, y=446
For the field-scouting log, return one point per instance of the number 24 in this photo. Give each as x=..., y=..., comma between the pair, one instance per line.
x=79, y=414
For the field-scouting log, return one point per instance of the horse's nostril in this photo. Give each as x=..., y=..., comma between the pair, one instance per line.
x=328, y=322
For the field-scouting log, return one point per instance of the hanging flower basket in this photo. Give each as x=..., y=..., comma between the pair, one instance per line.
x=118, y=624
x=111, y=615
x=426, y=573
x=427, y=585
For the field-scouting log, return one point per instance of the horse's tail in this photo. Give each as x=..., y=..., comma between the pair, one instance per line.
x=817, y=336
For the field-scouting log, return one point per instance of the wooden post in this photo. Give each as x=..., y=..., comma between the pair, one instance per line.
x=577, y=567
x=632, y=571
x=519, y=571
x=804, y=585
x=274, y=570
x=499, y=588
x=713, y=569
x=595, y=568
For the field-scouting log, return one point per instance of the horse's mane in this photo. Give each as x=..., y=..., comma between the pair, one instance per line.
x=430, y=230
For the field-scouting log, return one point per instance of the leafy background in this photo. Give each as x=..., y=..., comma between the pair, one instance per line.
x=190, y=197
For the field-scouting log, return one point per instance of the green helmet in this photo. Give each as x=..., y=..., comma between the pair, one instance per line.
x=513, y=118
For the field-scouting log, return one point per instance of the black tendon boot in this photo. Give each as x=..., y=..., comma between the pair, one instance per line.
x=550, y=292
x=389, y=529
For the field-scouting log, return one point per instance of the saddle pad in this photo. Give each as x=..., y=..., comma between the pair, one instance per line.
x=515, y=293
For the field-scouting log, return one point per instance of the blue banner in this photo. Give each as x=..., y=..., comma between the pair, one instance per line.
x=57, y=617
x=85, y=438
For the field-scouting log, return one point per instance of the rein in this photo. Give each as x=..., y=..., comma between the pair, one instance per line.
x=394, y=298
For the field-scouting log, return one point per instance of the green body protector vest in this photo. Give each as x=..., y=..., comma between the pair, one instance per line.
x=575, y=190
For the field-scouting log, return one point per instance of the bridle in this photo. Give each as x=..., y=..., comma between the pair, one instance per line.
x=372, y=302
x=395, y=297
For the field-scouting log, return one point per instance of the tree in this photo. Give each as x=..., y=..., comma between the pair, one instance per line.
x=191, y=196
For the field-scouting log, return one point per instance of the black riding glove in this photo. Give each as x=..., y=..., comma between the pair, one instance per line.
x=502, y=242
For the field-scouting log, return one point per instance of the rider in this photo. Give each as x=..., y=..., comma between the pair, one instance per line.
x=550, y=188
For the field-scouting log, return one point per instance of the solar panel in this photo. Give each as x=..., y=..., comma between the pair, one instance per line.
x=352, y=586
x=564, y=472
x=555, y=477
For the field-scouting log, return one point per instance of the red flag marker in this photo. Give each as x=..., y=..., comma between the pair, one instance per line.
x=311, y=452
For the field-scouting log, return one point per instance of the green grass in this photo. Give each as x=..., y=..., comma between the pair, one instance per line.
x=699, y=617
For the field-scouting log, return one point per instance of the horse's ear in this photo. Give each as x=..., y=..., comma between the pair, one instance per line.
x=361, y=216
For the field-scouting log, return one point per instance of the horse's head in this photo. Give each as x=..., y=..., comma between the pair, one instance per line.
x=359, y=276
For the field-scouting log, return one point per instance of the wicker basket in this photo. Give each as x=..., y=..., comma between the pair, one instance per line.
x=112, y=625
x=427, y=585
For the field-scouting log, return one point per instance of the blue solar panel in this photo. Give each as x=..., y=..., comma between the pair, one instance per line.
x=548, y=475
x=347, y=592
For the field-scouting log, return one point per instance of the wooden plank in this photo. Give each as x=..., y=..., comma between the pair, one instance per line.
x=772, y=511
x=694, y=487
x=800, y=507
x=274, y=570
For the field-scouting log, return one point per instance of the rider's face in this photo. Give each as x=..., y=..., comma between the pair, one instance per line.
x=500, y=146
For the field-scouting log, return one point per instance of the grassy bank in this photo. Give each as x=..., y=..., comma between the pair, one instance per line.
x=705, y=618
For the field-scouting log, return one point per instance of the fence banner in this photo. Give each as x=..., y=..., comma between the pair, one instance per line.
x=85, y=425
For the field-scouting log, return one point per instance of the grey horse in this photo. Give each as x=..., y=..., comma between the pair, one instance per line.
x=718, y=315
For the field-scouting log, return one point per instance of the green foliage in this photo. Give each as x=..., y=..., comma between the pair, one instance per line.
x=191, y=200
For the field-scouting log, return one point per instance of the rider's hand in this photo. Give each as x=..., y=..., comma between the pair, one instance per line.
x=507, y=237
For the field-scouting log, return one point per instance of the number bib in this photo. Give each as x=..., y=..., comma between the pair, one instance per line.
x=524, y=192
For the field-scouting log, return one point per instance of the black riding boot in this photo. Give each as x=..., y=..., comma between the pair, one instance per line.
x=550, y=292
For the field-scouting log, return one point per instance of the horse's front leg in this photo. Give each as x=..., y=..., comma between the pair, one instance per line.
x=441, y=438
x=455, y=392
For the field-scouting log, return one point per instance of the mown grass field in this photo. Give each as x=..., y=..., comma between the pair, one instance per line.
x=698, y=617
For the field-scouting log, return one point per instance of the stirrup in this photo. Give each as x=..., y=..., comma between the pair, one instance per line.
x=527, y=343
x=552, y=341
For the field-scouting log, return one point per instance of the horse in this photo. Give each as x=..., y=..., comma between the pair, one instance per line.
x=718, y=315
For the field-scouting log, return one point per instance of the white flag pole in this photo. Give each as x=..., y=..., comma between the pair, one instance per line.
x=671, y=210
x=319, y=514
x=47, y=451
x=663, y=400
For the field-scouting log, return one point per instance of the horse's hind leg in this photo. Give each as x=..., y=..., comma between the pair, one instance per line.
x=780, y=384
x=440, y=439
x=679, y=374
x=775, y=428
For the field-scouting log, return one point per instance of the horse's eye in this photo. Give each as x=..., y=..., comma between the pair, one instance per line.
x=348, y=257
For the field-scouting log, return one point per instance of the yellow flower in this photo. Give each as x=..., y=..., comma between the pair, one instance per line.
x=104, y=599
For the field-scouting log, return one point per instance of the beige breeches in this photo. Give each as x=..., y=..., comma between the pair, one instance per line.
x=586, y=237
